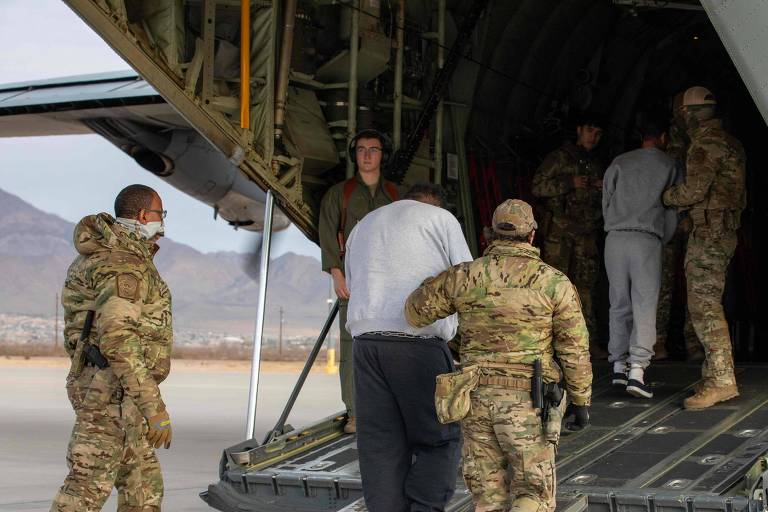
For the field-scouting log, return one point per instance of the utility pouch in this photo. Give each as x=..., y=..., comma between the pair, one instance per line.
x=78, y=357
x=452, y=393
x=78, y=362
x=700, y=223
x=555, y=421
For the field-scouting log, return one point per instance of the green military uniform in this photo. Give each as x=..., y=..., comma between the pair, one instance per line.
x=573, y=220
x=114, y=276
x=362, y=201
x=513, y=309
x=714, y=194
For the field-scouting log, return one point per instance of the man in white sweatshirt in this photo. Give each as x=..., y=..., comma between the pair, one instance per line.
x=408, y=460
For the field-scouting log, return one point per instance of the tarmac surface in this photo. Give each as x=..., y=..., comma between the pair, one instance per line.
x=207, y=406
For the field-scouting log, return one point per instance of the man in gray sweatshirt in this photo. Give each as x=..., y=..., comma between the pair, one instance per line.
x=408, y=460
x=637, y=224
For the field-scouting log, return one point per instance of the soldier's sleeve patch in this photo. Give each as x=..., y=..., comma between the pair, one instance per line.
x=127, y=286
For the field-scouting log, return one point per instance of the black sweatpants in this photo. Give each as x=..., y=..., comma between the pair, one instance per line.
x=408, y=460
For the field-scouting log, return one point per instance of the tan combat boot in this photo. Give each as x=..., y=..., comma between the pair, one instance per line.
x=708, y=395
x=351, y=426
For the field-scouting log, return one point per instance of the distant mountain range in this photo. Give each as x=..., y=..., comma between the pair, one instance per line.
x=211, y=291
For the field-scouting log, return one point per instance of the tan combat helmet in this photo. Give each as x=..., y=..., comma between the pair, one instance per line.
x=698, y=95
x=514, y=217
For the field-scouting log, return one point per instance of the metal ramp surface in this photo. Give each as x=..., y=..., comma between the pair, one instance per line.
x=638, y=455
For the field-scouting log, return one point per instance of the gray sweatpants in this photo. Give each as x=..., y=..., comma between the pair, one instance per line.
x=633, y=264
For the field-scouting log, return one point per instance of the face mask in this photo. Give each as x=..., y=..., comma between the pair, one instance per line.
x=146, y=231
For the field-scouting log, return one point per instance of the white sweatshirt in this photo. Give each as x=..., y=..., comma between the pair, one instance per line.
x=389, y=254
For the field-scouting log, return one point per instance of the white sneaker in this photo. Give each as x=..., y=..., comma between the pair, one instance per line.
x=636, y=386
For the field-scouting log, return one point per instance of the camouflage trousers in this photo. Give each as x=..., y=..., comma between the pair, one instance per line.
x=346, y=361
x=706, y=264
x=578, y=257
x=507, y=463
x=108, y=448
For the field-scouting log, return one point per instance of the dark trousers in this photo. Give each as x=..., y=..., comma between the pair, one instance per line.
x=408, y=460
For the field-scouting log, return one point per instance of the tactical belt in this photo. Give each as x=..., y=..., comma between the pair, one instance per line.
x=521, y=384
x=520, y=367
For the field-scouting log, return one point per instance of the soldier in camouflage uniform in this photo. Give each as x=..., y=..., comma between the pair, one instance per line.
x=513, y=309
x=570, y=181
x=120, y=415
x=342, y=207
x=714, y=194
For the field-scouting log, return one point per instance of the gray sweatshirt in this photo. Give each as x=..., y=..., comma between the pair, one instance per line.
x=632, y=190
x=389, y=254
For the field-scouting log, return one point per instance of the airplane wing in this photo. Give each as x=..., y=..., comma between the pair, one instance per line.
x=124, y=109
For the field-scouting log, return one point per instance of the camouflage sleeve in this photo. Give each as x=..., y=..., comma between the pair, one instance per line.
x=700, y=173
x=163, y=367
x=548, y=181
x=677, y=143
x=571, y=343
x=328, y=226
x=73, y=327
x=161, y=349
x=121, y=292
x=432, y=300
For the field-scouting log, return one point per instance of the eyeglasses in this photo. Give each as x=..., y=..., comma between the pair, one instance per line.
x=360, y=150
x=163, y=213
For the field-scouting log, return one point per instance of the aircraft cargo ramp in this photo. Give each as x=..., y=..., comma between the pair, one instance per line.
x=637, y=456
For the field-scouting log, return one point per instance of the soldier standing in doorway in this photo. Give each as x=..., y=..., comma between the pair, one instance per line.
x=342, y=207
x=714, y=195
x=570, y=181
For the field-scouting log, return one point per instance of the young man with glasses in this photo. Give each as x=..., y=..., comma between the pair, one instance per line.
x=343, y=206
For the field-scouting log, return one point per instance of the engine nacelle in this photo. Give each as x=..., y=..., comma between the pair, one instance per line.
x=184, y=159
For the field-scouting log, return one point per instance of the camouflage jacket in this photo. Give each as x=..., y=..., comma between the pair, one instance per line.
x=714, y=188
x=678, y=143
x=553, y=182
x=513, y=308
x=114, y=275
x=361, y=203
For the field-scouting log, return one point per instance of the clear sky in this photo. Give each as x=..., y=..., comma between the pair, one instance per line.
x=75, y=175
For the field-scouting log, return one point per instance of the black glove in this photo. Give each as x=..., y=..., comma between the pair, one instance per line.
x=581, y=418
